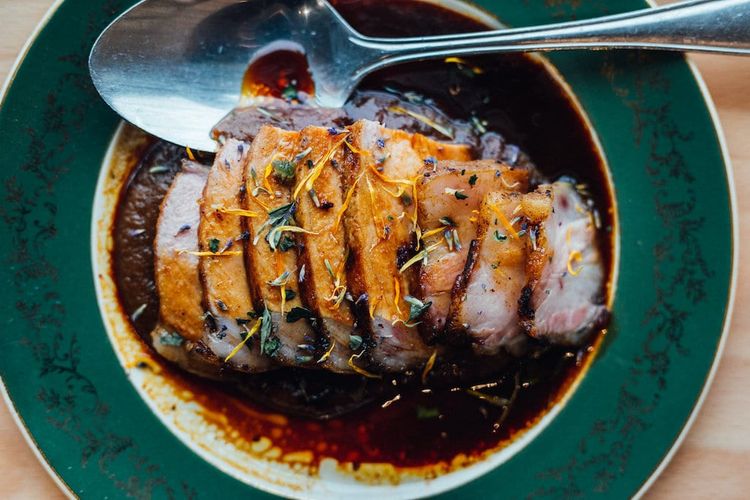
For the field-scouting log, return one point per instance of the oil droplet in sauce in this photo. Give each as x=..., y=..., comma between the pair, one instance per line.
x=282, y=73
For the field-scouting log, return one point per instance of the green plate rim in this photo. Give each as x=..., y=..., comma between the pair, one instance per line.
x=17, y=418
x=728, y=314
x=708, y=380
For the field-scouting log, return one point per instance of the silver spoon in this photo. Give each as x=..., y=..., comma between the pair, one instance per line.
x=174, y=67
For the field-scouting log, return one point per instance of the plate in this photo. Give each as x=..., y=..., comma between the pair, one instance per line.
x=674, y=280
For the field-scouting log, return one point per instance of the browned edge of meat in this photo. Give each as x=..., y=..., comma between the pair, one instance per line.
x=537, y=209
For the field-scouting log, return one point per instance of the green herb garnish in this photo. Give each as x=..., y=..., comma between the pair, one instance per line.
x=473, y=179
x=298, y=313
x=455, y=192
x=273, y=344
x=268, y=344
x=283, y=170
x=355, y=342
x=416, y=308
x=280, y=280
x=171, y=338
x=290, y=93
x=447, y=221
x=286, y=243
x=213, y=245
x=280, y=216
x=425, y=413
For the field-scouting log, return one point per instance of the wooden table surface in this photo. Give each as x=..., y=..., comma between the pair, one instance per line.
x=713, y=461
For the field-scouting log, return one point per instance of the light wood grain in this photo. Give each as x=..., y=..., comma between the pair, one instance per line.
x=714, y=460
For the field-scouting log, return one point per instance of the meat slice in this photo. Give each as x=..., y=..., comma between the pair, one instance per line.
x=179, y=336
x=271, y=249
x=484, y=305
x=175, y=247
x=324, y=286
x=382, y=169
x=450, y=195
x=566, y=275
x=226, y=295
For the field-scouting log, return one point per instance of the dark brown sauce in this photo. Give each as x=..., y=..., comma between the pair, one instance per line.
x=513, y=96
x=282, y=73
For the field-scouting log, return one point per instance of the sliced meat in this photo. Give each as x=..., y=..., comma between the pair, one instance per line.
x=567, y=274
x=324, y=286
x=175, y=247
x=380, y=176
x=271, y=250
x=485, y=299
x=226, y=295
x=450, y=194
x=180, y=334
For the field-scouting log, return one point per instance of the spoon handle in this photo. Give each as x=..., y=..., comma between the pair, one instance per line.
x=718, y=26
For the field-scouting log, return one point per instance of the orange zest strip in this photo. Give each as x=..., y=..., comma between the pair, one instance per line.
x=574, y=256
x=428, y=366
x=347, y=200
x=328, y=352
x=239, y=346
x=504, y=221
x=359, y=370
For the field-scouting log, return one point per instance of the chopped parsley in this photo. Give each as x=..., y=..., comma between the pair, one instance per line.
x=473, y=179
x=213, y=245
x=273, y=344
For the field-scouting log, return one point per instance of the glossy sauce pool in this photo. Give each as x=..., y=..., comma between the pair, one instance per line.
x=513, y=95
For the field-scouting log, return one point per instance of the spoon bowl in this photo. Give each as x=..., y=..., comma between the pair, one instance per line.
x=174, y=68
